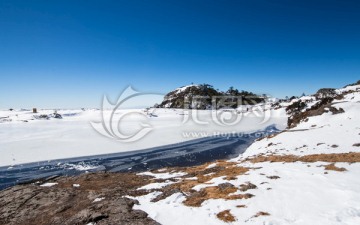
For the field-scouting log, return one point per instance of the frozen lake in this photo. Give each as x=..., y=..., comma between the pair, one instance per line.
x=187, y=153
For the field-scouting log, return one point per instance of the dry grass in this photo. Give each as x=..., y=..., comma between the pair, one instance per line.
x=334, y=168
x=350, y=157
x=229, y=170
x=226, y=216
x=195, y=199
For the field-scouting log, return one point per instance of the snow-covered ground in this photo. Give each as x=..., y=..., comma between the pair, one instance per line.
x=302, y=194
x=323, y=192
x=24, y=138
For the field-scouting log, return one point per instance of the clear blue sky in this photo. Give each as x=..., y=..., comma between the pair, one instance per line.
x=70, y=53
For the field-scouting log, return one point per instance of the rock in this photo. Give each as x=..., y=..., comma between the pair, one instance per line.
x=187, y=97
x=247, y=186
x=335, y=110
x=297, y=115
x=326, y=93
x=295, y=107
x=273, y=177
x=353, y=84
x=205, y=96
x=62, y=204
x=57, y=116
x=224, y=186
x=166, y=193
x=42, y=117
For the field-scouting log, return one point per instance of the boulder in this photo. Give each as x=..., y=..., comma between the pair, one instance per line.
x=326, y=93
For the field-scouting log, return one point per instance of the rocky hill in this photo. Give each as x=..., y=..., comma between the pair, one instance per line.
x=205, y=96
x=323, y=101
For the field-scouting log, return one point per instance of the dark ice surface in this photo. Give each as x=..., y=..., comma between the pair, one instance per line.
x=189, y=153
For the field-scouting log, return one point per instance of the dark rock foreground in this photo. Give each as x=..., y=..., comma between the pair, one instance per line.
x=66, y=204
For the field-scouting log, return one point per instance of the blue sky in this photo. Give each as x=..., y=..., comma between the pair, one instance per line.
x=69, y=53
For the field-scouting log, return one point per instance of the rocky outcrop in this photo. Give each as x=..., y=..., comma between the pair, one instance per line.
x=356, y=83
x=300, y=109
x=295, y=107
x=326, y=93
x=205, y=96
x=324, y=105
x=88, y=198
x=193, y=96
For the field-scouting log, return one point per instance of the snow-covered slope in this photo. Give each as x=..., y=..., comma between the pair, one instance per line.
x=307, y=174
x=326, y=133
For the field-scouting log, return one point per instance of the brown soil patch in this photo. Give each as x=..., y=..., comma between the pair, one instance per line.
x=241, y=206
x=356, y=145
x=226, y=216
x=335, y=168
